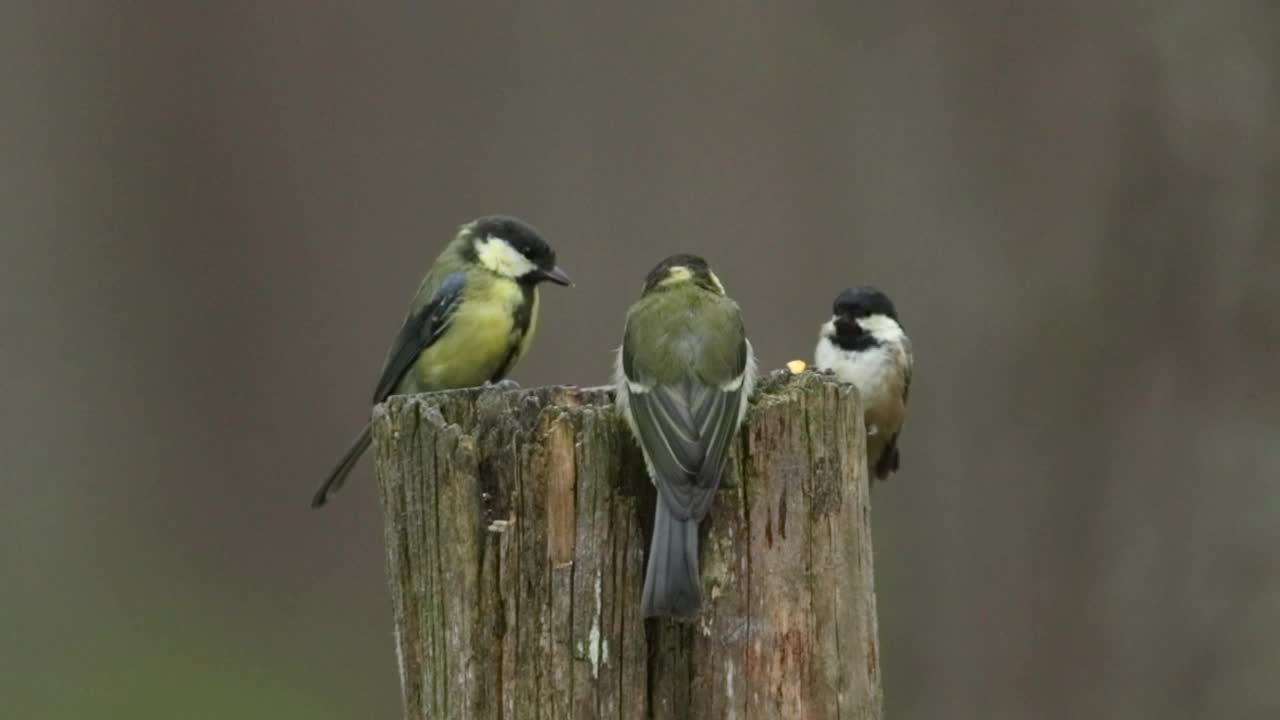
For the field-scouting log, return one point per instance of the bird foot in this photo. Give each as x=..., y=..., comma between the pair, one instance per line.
x=504, y=384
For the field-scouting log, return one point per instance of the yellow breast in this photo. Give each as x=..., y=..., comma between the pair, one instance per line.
x=478, y=341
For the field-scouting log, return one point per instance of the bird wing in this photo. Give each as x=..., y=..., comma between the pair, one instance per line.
x=890, y=457
x=906, y=373
x=687, y=430
x=422, y=328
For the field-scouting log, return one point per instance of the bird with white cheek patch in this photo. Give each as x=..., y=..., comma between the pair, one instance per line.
x=472, y=318
x=864, y=345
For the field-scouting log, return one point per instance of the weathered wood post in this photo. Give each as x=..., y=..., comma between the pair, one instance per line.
x=516, y=532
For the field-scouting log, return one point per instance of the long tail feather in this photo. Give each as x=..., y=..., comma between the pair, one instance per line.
x=672, y=586
x=333, y=483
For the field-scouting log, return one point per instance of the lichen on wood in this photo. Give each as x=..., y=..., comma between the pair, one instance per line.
x=516, y=530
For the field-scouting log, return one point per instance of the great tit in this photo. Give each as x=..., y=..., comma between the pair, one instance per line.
x=683, y=376
x=473, y=317
x=864, y=345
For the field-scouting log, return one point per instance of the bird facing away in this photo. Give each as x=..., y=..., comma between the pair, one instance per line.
x=473, y=317
x=683, y=377
x=864, y=345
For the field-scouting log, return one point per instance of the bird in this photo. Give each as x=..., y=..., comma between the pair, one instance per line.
x=682, y=378
x=471, y=319
x=864, y=345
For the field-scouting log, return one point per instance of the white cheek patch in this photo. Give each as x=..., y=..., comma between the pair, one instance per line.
x=716, y=281
x=881, y=327
x=497, y=255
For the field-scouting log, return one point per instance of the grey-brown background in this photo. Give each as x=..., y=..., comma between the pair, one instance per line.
x=212, y=216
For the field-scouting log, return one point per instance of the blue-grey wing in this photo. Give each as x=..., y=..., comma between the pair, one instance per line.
x=420, y=330
x=687, y=432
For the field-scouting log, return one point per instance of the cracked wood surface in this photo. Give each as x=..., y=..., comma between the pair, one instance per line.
x=516, y=531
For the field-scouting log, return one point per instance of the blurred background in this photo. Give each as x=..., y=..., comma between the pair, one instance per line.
x=212, y=217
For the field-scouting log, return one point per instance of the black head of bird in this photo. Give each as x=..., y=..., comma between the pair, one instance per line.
x=513, y=248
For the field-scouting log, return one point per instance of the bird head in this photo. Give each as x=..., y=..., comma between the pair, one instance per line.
x=862, y=315
x=511, y=248
x=682, y=271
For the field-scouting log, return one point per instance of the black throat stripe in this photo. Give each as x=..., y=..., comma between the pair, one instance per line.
x=851, y=337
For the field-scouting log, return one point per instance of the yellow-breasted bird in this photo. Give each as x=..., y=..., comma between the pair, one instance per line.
x=473, y=317
x=683, y=377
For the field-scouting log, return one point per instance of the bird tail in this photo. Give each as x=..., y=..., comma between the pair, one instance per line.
x=672, y=586
x=333, y=483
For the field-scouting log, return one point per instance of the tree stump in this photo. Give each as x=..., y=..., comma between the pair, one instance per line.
x=517, y=525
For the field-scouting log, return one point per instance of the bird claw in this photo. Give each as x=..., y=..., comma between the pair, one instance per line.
x=504, y=384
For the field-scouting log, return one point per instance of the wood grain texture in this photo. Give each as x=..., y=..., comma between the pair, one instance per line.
x=516, y=529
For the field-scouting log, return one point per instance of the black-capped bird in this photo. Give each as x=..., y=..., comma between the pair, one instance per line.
x=684, y=374
x=864, y=345
x=472, y=318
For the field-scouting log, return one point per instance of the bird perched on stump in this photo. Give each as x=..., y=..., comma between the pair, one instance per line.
x=684, y=375
x=864, y=345
x=473, y=317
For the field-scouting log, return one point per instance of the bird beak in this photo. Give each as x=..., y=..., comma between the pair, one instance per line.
x=557, y=276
